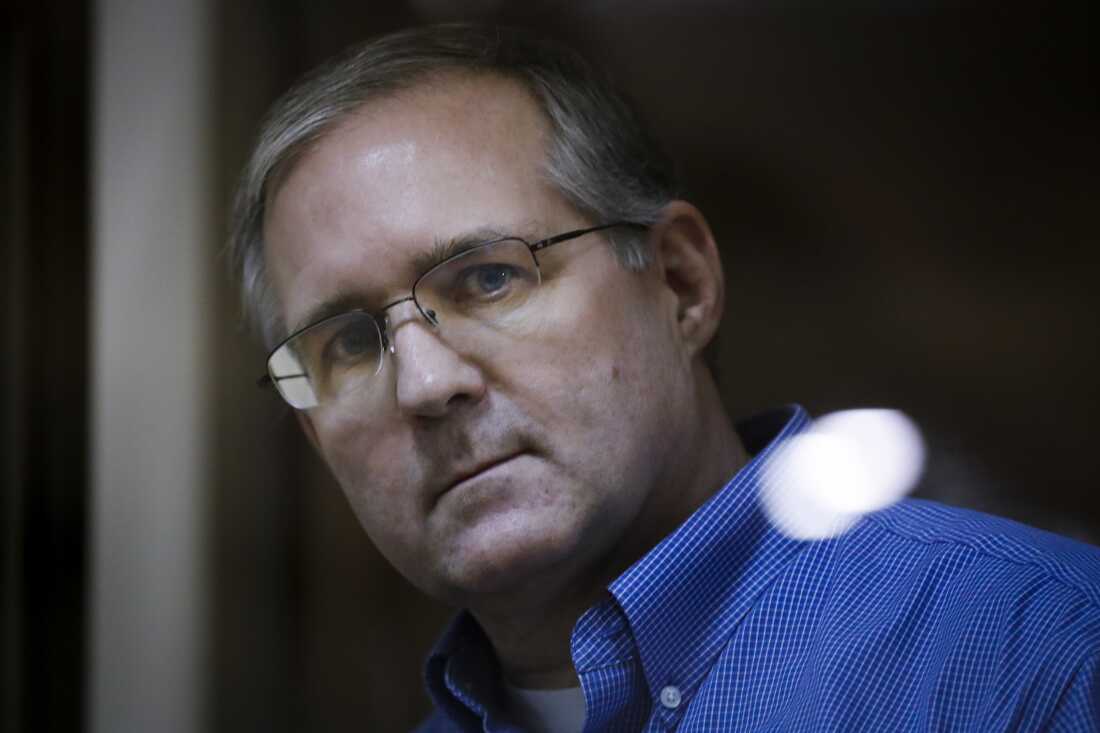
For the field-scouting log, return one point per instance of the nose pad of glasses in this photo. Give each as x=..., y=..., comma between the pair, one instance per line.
x=387, y=342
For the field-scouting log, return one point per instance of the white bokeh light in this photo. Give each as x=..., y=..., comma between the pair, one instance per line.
x=846, y=465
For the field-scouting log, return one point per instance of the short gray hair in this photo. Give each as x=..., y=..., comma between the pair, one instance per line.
x=601, y=158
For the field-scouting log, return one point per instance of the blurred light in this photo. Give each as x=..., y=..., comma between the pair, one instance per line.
x=846, y=465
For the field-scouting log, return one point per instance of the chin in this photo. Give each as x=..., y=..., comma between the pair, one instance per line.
x=507, y=555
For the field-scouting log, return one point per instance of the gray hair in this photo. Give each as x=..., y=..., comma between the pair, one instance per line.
x=600, y=157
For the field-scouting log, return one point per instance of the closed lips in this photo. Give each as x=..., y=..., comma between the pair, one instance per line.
x=478, y=469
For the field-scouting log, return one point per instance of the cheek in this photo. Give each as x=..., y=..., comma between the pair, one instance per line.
x=602, y=397
x=626, y=359
x=372, y=466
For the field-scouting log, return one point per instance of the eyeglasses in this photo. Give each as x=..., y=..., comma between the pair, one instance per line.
x=491, y=285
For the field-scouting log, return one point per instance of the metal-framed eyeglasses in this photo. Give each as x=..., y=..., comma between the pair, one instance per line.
x=489, y=284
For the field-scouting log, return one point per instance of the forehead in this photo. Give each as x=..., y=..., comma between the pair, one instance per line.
x=458, y=155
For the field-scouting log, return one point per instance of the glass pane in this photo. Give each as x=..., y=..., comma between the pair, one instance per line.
x=487, y=283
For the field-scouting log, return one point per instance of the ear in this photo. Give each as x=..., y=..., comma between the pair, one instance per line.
x=687, y=261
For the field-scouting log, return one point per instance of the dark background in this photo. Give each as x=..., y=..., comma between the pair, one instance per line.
x=905, y=199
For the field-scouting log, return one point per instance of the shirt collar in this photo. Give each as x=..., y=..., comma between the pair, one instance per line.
x=461, y=674
x=685, y=596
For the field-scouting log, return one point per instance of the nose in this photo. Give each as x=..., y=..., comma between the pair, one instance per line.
x=432, y=378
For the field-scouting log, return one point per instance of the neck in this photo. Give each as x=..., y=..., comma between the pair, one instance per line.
x=534, y=652
x=532, y=639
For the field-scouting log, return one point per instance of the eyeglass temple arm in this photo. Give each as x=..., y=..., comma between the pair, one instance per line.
x=543, y=244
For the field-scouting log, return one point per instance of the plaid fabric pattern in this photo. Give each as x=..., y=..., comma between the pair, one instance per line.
x=920, y=618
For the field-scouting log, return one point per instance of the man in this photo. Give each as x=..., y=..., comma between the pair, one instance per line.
x=490, y=310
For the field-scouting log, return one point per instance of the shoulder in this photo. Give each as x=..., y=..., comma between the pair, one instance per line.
x=987, y=544
x=969, y=618
x=1014, y=597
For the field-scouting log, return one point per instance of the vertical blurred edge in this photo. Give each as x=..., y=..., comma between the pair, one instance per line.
x=154, y=250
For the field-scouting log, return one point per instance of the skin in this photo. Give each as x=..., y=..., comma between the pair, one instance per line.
x=514, y=474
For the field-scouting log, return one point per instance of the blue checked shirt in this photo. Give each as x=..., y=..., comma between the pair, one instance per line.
x=921, y=618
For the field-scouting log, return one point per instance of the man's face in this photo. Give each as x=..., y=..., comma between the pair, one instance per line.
x=518, y=463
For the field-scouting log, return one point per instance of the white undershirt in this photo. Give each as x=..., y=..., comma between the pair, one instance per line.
x=548, y=711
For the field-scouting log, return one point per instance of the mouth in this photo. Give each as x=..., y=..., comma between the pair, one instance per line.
x=474, y=472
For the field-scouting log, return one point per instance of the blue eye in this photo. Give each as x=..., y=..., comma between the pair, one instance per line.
x=483, y=282
x=490, y=279
x=353, y=342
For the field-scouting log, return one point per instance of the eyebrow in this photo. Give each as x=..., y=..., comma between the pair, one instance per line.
x=334, y=306
x=442, y=250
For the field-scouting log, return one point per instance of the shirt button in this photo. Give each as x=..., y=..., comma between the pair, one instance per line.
x=670, y=697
